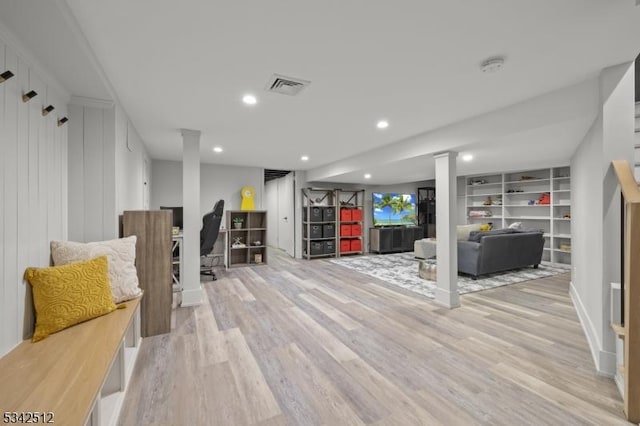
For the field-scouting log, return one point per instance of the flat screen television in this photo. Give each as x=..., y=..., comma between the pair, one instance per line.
x=394, y=209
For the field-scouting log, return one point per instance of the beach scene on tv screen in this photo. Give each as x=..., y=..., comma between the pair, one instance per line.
x=394, y=209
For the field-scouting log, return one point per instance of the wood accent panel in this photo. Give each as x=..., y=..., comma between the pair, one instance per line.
x=64, y=373
x=153, y=262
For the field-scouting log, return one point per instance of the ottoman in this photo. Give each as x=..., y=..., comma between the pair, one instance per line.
x=424, y=248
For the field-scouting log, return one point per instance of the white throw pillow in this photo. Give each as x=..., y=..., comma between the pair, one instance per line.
x=463, y=231
x=121, y=254
x=517, y=226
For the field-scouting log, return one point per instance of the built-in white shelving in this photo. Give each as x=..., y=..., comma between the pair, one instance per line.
x=515, y=197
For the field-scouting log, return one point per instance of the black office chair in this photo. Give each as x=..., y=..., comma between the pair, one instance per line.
x=208, y=236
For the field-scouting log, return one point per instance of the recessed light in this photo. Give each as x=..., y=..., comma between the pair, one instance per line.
x=305, y=158
x=249, y=99
x=217, y=149
x=467, y=157
x=367, y=175
x=382, y=124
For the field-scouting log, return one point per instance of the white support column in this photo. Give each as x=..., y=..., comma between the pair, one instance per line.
x=191, y=288
x=447, y=247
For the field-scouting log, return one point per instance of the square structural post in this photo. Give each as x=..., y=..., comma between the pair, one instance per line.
x=191, y=288
x=446, y=241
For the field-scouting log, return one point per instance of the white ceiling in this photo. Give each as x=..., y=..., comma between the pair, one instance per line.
x=187, y=64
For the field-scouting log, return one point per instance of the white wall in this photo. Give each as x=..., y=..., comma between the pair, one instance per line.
x=33, y=188
x=216, y=182
x=106, y=162
x=596, y=211
x=130, y=155
x=92, y=190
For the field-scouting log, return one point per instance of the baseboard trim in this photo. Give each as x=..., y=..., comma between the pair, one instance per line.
x=605, y=362
x=619, y=383
x=192, y=297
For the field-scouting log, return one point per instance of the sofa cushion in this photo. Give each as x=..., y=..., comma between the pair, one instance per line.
x=67, y=295
x=476, y=235
x=464, y=230
x=121, y=254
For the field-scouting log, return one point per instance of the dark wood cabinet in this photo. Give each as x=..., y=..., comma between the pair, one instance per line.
x=393, y=239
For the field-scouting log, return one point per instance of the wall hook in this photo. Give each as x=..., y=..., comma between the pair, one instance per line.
x=29, y=95
x=62, y=121
x=5, y=76
x=47, y=110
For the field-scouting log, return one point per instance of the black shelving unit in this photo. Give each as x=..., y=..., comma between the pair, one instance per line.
x=319, y=222
x=427, y=211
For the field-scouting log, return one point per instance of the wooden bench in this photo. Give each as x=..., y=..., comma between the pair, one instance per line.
x=78, y=374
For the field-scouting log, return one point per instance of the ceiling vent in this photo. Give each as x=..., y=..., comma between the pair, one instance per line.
x=286, y=85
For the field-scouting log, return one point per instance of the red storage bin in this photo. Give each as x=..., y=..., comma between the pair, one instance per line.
x=345, y=230
x=345, y=215
x=356, y=214
x=356, y=245
x=345, y=246
x=356, y=230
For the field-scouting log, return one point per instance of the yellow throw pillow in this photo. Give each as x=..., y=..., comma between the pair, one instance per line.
x=67, y=295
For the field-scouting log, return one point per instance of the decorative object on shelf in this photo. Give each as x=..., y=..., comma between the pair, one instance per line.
x=257, y=258
x=545, y=199
x=479, y=213
x=511, y=191
x=487, y=201
x=237, y=243
x=237, y=222
x=477, y=182
x=565, y=247
x=528, y=177
x=256, y=243
x=486, y=226
x=247, y=203
x=566, y=216
x=175, y=230
x=531, y=202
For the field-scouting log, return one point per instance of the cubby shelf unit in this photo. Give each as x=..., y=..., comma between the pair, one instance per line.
x=512, y=197
x=252, y=231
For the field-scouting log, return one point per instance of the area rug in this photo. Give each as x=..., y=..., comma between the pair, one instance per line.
x=401, y=269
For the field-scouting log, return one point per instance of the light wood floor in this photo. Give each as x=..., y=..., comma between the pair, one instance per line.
x=313, y=343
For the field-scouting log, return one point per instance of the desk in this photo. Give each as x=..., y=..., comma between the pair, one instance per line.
x=176, y=270
x=219, y=250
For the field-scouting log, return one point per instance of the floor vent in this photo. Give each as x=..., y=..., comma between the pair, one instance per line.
x=286, y=85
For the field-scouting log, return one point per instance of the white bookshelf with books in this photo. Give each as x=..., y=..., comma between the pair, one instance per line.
x=539, y=199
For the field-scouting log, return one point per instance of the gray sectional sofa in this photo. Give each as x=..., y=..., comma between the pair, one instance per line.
x=486, y=252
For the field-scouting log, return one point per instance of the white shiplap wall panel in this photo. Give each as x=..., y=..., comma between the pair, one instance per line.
x=93, y=174
x=33, y=192
x=24, y=232
x=10, y=271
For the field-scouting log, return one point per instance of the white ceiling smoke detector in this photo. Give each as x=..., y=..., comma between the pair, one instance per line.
x=492, y=64
x=286, y=85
